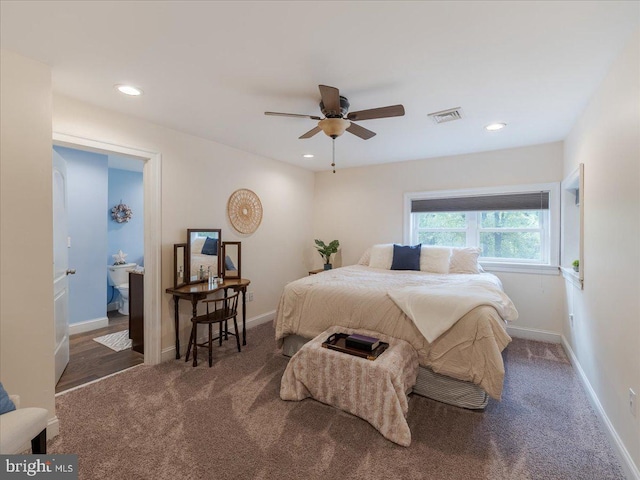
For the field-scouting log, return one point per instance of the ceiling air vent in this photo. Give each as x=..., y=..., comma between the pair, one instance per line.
x=447, y=115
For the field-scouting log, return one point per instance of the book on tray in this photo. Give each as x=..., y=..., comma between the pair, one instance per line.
x=362, y=342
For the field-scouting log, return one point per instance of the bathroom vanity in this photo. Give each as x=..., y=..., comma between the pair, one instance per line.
x=136, y=311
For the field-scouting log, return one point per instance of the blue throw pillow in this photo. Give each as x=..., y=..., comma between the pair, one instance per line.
x=228, y=263
x=6, y=405
x=210, y=246
x=406, y=257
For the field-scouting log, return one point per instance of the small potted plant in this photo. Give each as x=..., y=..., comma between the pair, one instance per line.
x=326, y=251
x=576, y=265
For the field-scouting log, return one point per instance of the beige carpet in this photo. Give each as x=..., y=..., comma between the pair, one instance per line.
x=173, y=421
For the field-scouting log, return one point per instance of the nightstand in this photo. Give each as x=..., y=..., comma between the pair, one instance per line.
x=313, y=272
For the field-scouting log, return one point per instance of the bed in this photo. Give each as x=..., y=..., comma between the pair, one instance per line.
x=460, y=366
x=207, y=259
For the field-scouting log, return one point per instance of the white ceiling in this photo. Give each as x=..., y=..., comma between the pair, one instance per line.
x=212, y=68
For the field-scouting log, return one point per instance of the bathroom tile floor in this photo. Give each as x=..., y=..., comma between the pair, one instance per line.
x=88, y=360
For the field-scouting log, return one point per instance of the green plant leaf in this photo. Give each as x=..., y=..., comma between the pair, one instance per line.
x=325, y=250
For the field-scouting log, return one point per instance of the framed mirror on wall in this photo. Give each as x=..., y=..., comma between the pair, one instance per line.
x=203, y=253
x=231, y=260
x=179, y=271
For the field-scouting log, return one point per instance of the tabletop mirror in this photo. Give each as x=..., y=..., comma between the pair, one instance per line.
x=231, y=259
x=179, y=272
x=203, y=253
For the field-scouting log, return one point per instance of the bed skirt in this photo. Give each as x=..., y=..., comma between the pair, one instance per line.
x=429, y=384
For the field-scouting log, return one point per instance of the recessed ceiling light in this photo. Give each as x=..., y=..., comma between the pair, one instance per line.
x=308, y=155
x=128, y=90
x=495, y=126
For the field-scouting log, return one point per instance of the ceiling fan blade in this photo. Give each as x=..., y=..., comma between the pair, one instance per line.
x=380, y=112
x=297, y=115
x=361, y=132
x=311, y=133
x=330, y=98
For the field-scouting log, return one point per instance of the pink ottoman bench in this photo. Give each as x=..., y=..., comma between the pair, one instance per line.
x=374, y=390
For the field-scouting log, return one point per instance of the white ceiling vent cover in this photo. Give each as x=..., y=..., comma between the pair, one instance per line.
x=447, y=115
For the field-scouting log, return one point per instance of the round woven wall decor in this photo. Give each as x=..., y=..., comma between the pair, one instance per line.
x=244, y=210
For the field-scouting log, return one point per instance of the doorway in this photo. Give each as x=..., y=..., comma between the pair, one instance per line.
x=102, y=247
x=152, y=240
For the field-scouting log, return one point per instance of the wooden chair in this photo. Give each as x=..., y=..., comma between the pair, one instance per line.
x=220, y=311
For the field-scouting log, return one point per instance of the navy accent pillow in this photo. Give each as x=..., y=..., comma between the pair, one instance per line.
x=6, y=405
x=228, y=263
x=406, y=257
x=210, y=246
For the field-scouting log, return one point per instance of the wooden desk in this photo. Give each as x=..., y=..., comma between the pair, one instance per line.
x=200, y=291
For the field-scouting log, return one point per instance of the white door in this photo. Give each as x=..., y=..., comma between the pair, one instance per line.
x=60, y=264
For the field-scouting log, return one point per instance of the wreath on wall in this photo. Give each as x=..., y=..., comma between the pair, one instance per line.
x=121, y=213
x=245, y=211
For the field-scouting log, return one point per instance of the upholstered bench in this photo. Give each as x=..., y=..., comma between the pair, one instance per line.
x=374, y=390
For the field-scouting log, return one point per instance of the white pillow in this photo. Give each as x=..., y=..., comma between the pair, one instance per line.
x=464, y=260
x=381, y=256
x=434, y=259
x=197, y=244
x=365, y=258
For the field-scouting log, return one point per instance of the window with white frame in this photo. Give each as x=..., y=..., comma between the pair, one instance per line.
x=511, y=225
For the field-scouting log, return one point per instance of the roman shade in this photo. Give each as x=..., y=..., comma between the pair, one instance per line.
x=508, y=201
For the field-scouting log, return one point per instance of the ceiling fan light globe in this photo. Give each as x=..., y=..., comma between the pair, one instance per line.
x=334, y=127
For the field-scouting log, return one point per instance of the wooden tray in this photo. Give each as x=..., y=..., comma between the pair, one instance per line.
x=337, y=342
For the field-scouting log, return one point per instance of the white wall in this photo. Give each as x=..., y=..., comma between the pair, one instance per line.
x=606, y=332
x=198, y=176
x=364, y=206
x=26, y=232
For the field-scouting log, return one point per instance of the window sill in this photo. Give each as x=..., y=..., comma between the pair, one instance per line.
x=521, y=268
x=573, y=277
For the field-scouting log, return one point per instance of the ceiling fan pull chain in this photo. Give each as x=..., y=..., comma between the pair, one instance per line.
x=333, y=160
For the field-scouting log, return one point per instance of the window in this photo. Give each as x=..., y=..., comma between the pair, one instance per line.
x=514, y=226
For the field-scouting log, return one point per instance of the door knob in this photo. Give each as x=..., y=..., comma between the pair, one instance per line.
x=71, y=271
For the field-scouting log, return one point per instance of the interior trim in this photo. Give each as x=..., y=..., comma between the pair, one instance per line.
x=534, y=334
x=88, y=325
x=570, y=275
x=152, y=176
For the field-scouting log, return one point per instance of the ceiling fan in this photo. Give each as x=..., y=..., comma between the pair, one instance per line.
x=336, y=119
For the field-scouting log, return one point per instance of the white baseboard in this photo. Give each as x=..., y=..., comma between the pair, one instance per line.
x=88, y=325
x=534, y=334
x=260, y=319
x=53, y=427
x=169, y=353
x=630, y=468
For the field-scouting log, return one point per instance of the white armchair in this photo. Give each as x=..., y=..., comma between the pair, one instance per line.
x=22, y=425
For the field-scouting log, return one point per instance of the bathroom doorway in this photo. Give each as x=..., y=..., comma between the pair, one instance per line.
x=105, y=222
x=113, y=321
